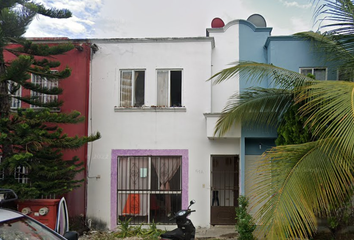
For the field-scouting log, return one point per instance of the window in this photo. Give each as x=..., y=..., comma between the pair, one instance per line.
x=149, y=188
x=15, y=91
x=20, y=173
x=132, y=88
x=345, y=74
x=169, y=88
x=44, y=82
x=319, y=73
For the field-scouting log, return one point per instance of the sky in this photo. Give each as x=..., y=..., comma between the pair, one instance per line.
x=166, y=18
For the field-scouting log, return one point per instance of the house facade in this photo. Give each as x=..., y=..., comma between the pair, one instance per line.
x=151, y=100
x=75, y=97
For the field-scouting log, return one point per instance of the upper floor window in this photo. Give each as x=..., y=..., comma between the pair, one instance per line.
x=319, y=73
x=169, y=88
x=132, y=88
x=15, y=91
x=47, y=83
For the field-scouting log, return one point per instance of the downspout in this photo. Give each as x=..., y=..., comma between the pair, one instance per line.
x=88, y=80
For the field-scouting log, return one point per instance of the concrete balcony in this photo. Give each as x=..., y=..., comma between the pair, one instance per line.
x=211, y=119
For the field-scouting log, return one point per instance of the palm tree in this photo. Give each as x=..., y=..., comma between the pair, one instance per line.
x=300, y=182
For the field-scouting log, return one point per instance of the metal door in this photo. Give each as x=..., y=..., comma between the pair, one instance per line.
x=224, y=189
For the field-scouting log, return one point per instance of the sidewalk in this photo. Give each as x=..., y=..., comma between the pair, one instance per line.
x=217, y=232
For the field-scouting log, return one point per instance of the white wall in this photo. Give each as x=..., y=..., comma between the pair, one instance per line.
x=150, y=129
x=226, y=51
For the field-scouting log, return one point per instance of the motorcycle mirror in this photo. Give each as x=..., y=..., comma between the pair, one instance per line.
x=191, y=202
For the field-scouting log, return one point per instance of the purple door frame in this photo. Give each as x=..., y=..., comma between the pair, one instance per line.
x=146, y=152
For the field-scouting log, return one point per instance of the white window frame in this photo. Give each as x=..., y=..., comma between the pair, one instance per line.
x=15, y=103
x=44, y=82
x=339, y=75
x=167, y=101
x=21, y=174
x=132, y=90
x=313, y=69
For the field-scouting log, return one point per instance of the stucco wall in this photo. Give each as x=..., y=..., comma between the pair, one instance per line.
x=226, y=51
x=252, y=162
x=292, y=53
x=75, y=98
x=152, y=130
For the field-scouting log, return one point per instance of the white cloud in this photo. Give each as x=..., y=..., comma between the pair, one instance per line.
x=296, y=4
x=161, y=18
x=299, y=25
x=78, y=26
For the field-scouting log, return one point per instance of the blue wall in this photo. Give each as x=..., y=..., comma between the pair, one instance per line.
x=252, y=42
x=256, y=146
x=292, y=53
x=288, y=52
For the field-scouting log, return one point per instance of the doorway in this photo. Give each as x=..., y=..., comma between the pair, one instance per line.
x=224, y=189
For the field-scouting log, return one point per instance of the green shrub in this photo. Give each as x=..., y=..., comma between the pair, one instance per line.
x=245, y=224
x=126, y=230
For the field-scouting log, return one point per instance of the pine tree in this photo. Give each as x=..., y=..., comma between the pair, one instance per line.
x=31, y=142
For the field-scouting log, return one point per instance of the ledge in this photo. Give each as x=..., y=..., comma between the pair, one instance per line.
x=211, y=120
x=150, y=109
x=53, y=110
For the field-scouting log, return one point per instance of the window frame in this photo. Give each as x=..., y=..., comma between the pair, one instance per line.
x=20, y=173
x=45, y=81
x=313, y=71
x=143, y=178
x=16, y=103
x=184, y=153
x=133, y=85
x=169, y=98
x=341, y=73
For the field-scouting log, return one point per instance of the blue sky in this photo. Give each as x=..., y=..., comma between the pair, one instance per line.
x=166, y=18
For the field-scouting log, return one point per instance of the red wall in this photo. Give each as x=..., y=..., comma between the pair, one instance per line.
x=75, y=96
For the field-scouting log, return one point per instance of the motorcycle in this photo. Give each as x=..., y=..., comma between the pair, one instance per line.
x=185, y=229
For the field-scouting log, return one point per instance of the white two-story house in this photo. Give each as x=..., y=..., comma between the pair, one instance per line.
x=151, y=100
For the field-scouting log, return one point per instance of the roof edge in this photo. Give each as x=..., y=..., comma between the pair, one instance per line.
x=239, y=21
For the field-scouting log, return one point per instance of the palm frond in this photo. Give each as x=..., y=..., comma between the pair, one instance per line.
x=330, y=107
x=297, y=183
x=338, y=50
x=258, y=72
x=336, y=16
x=256, y=106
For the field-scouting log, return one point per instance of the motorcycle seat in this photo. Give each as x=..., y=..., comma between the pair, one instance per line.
x=174, y=234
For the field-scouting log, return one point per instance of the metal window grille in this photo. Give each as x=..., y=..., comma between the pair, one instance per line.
x=21, y=174
x=44, y=82
x=15, y=103
x=149, y=188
